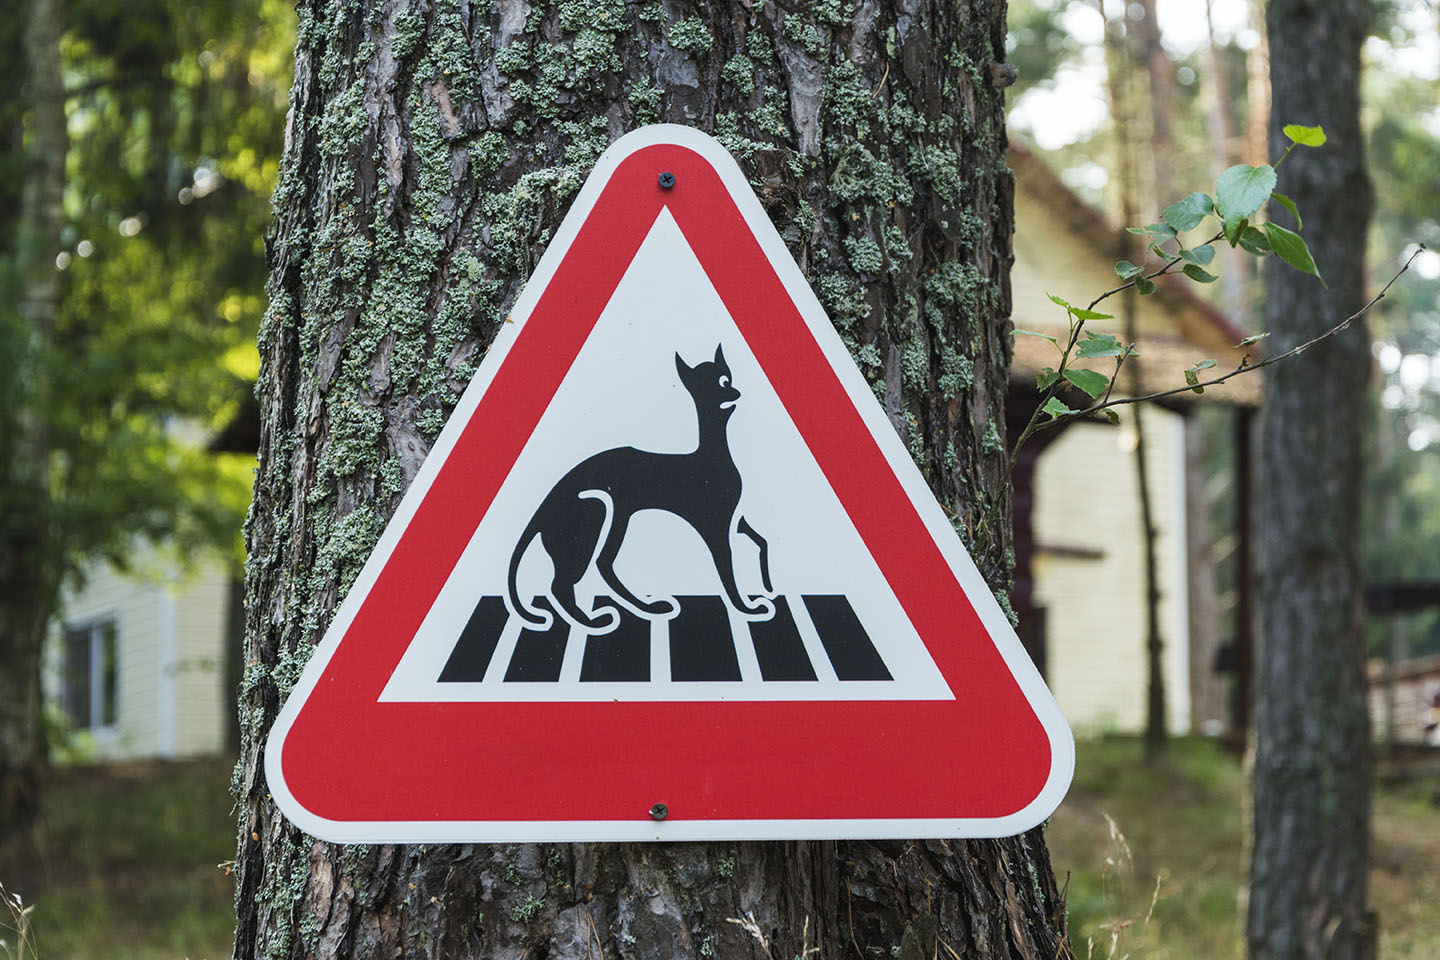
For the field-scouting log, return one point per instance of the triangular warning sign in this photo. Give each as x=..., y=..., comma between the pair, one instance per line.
x=668, y=573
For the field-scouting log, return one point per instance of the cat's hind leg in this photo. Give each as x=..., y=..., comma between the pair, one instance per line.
x=570, y=541
x=605, y=563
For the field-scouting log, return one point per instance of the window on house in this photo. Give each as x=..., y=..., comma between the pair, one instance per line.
x=90, y=691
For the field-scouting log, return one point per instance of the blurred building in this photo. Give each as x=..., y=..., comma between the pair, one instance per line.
x=1080, y=585
x=140, y=665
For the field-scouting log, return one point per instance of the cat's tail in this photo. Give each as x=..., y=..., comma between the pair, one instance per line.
x=516, y=607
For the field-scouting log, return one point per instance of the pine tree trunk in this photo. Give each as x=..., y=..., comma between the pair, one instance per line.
x=1312, y=752
x=432, y=149
x=26, y=589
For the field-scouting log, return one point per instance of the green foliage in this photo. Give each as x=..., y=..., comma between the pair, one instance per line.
x=1291, y=248
x=176, y=124
x=1090, y=381
x=1241, y=190
x=1188, y=213
x=1304, y=136
x=1101, y=345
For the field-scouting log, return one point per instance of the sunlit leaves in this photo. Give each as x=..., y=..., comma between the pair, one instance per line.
x=1304, y=136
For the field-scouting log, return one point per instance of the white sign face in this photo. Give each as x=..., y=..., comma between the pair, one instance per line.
x=624, y=391
x=668, y=514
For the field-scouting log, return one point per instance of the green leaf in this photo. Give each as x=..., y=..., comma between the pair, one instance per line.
x=1046, y=379
x=1186, y=214
x=1234, y=227
x=1253, y=240
x=1032, y=333
x=1145, y=286
x=1241, y=190
x=1124, y=269
x=1083, y=314
x=1289, y=204
x=1055, y=408
x=1199, y=274
x=1203, y=365
x=1305, y=136
x=1098, y=345
x=1291, y=248
x=1162, y=230
x=1090, y=381
x=1059, y=300
x=1113, y=417
x=1199, y=256
x=1252, y=339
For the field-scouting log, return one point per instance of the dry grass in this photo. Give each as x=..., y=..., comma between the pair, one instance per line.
x=1156, y=859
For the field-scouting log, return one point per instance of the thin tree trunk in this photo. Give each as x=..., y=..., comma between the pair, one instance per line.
x=1312, y=760
x=1160, y=72
x=432, y=150
x=26, y=595
x=1118, y=60
x=1223, y=145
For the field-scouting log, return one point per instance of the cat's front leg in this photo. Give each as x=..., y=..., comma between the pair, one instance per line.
x=725, y=567
x=744, y=527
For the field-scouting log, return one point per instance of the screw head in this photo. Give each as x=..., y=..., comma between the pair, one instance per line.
x=659, y=812
x=667, y=180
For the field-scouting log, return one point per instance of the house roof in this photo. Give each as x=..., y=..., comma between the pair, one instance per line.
x=1177, y=328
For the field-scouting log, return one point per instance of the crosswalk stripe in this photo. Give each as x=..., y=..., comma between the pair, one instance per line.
x=779, y=648
x=846, y=642
x=539, y=653
x=472, y=653
x=620, y=656
x=701, y=644
x=704, y=642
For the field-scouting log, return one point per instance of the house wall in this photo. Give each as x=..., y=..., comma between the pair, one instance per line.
x=1090, y=571
x=170, y=697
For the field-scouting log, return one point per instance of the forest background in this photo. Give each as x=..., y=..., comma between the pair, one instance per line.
x=175, y=116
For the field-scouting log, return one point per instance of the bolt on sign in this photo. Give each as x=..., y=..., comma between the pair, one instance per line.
x=668, y=573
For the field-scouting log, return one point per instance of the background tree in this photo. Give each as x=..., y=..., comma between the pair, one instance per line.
x=432, y=150
x=142, y=139
x=1310, y=855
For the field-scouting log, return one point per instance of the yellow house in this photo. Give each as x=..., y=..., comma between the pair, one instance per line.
x=1080, y=582
x=139, y=664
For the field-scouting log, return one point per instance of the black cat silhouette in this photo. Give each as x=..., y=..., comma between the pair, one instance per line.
x=584, y=517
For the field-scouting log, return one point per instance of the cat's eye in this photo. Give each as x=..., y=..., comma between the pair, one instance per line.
x=724, y=381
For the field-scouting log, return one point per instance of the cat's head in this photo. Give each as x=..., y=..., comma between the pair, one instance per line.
x=709, y=383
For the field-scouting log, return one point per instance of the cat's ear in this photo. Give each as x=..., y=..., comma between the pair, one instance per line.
x=682, y=367
x=720, y=356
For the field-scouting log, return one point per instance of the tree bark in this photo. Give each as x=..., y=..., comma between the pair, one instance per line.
x=26, y=591
x=1312, y=749
x=432, y=149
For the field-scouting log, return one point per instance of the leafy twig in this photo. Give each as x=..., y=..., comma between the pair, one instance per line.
x=1245, y=366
